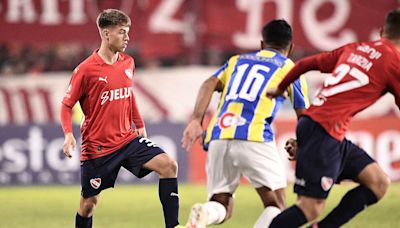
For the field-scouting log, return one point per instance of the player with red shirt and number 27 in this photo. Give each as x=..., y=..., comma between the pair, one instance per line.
x=362, y=72
x=103, y=86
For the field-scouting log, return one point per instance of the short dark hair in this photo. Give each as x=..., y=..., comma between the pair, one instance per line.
x=112, y=17
x=277, y=34
x=391, y=29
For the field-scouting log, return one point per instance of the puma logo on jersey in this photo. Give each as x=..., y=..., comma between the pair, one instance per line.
x=115, y=94
x=104, y=79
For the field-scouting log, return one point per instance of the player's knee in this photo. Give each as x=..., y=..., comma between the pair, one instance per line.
x=173, y=166
x=87, y=210
x=380, y=186
x=312, y=213
x=311, y=209
x=87, y=207
x=272, y=198
x=281, y=200
x=170, y=169
x=376, y=180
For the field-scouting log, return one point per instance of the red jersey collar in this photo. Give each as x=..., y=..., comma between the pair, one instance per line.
x=100, y=61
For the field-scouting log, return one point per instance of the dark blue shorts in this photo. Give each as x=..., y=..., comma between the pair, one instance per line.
x=101, y=173
x=322, y=160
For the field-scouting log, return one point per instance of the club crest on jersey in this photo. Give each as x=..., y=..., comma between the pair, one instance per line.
x=129, y=73
x=326, y=183
x=95, y=182
x=229, y=119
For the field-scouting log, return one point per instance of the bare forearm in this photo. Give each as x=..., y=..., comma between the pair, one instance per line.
x=204, y=98
x=302, y=66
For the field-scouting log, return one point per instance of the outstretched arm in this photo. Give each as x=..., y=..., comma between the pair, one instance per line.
x=324, y=62
x=301, y=67
x=204, y=97
x=194, y=129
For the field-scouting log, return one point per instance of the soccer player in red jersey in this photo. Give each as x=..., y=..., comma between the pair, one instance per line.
x=103, y=86
x=362, y=72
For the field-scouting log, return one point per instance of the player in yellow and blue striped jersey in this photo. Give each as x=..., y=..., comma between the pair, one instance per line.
x=239, y=138
x=246, y=113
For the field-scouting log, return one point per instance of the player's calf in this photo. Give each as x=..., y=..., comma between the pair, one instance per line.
x=169, y=198
x=274, y=202
x=167, y=168
x=352, y=203
x=307, y=209
x=84, y=216
x=374, y=183
x=83, y=222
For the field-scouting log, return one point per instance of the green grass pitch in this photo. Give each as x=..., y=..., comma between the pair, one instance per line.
x=138, y=206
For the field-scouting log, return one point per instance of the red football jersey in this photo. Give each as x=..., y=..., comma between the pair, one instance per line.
x=361, y=74
x=106, y=97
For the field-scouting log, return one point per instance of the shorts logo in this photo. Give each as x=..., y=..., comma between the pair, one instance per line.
x=95, y=182
x=230, y=119
x=129, y=73
x=300, y=181
x=148, y=142
x=326, y=183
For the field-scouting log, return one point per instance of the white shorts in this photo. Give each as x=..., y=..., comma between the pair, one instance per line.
x=228, y=160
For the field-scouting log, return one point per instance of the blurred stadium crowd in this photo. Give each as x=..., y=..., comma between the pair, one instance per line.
x=53, y=36
x=17, y=59
x=34, y=59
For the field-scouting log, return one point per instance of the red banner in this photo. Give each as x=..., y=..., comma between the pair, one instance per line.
x=177, y=27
